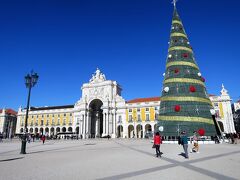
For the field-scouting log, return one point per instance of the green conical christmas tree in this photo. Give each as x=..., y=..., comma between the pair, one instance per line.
x=185, y=105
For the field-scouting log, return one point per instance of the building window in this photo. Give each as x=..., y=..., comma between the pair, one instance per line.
x=216, y=104
x=64, y=121
x=138, y=109
x=58, y=123
x=70, y=114
x=156, y=116
x=47, y=123
x=139, y=117
x=64, y=115
x=53, y=122
x=70, y=121
x=147, y=117
x=130, y=117
x=147, y=109
x=217, y=114
x=41, y=122
x=130, y=110
x=119, y=119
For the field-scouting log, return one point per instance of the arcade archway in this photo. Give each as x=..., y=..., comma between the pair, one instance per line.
x=120, y=131
x=131, y=131
x=96, y=118
x=52, y=131
x=139, y=131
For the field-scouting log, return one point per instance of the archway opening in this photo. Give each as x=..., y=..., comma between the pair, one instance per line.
x=31, y=130
x=139, y=131
x=96, y=118
x=120, y=131
x=63, y=129
x=155, y=128
x=148, y=131
x=70, y=129
x=46, y=131
x=36, y=130
x=52, y=130
x=41, y=131
x=131, y=131
x=58, y=130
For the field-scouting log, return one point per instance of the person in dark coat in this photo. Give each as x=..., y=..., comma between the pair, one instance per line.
x=184, y=141
x=1, y=137
x=157, y=142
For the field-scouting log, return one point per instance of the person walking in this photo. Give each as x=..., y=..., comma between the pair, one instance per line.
x=43, y=139
x=184, y=141
x=235, y=136
x=195, y=143
x=157, y=142
x=1, y=137
x=29, y=138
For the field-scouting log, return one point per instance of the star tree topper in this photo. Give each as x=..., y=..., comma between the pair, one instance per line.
x=174, y=2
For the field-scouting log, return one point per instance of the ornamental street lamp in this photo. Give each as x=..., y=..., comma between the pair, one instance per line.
x=30, y=81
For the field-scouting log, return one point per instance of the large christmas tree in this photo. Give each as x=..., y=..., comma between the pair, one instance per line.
x=185, y=105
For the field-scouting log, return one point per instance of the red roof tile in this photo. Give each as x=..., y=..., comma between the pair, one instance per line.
x=9, y=111
x=139, y=100
x=210, y=95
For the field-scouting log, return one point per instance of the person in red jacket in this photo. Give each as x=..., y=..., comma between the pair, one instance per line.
x=43, y=139
x=157, y=142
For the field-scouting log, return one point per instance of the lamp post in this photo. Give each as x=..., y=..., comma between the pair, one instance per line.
x=30, y=81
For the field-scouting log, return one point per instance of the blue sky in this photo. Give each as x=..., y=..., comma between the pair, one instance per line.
x=65, y=41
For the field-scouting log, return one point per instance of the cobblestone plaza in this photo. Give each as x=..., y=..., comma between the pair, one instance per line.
x=116, y=159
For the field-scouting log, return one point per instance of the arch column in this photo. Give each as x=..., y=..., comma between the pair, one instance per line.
x=87, y=124
x=104, y=124
x=85, y=121
x=114, y=124
x=107, y=124
x=143, y=129
x=97, y=125
x=81, y=128
x=134, y=129
x=83, y=117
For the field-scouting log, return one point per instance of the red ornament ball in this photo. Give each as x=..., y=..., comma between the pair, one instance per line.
x=185, y=55
x=192, y=89
x=176, y=70
x=201, y=132
x=203, y=79
x=177, y=108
